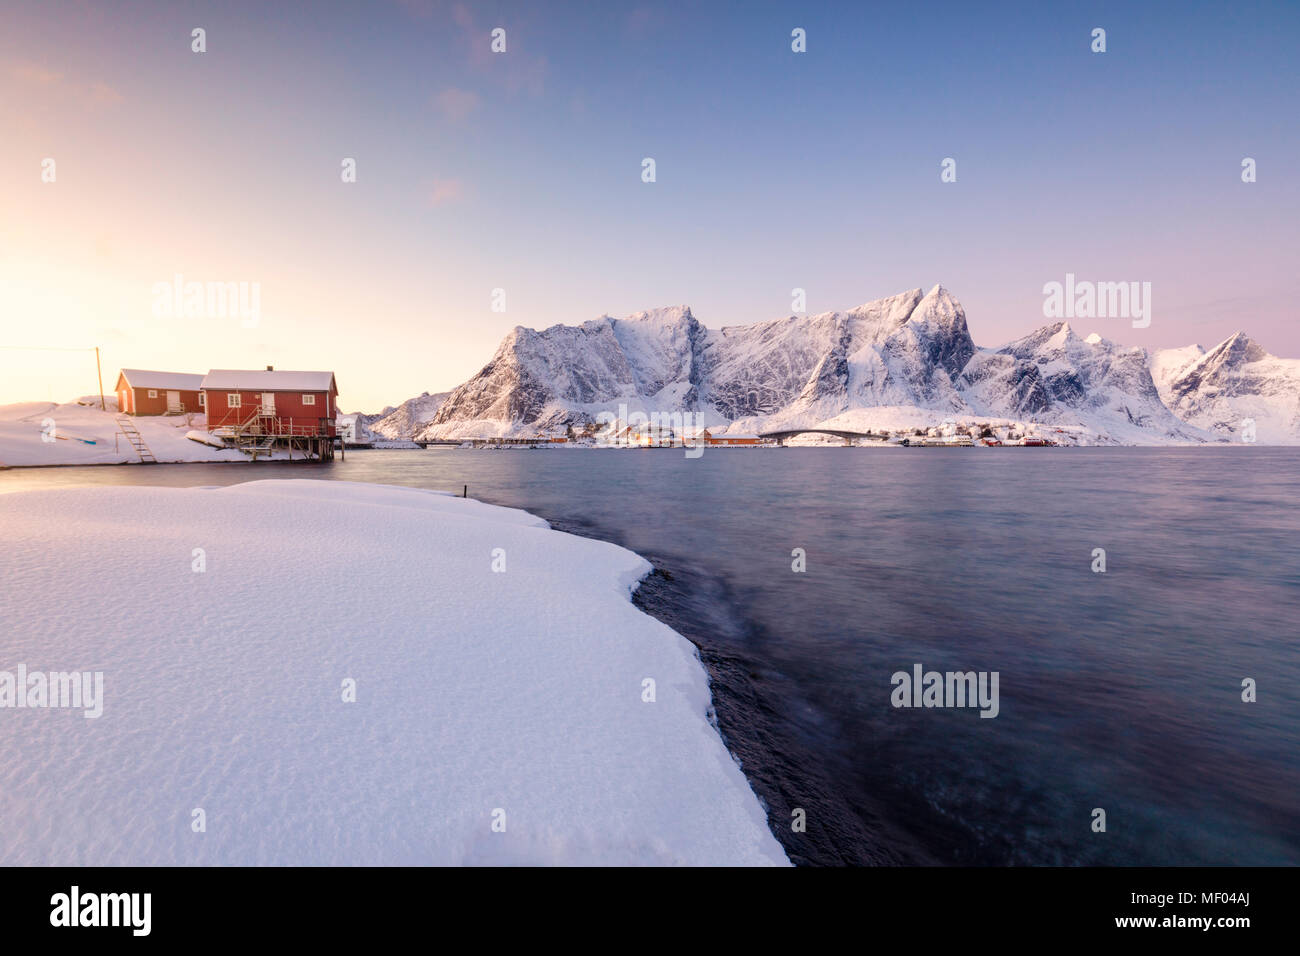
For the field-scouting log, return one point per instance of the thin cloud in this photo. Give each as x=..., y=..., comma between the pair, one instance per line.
x=456, y=104
x=514, y=69
x=447, y=191
x=104, y=95
x=36, y=80
x=34, y=75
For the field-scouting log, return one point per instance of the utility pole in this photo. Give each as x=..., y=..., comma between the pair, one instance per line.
x=100, y=372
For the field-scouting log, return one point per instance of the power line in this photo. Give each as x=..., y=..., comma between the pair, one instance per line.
x=99, y=372
x=44, y=348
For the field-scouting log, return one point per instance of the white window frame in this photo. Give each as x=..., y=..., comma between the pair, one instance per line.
x=308, y=399
x=203, y=399
x=234, y=400
x=153, y=393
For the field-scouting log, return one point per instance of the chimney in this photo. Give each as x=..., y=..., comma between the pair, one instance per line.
x=270, y=368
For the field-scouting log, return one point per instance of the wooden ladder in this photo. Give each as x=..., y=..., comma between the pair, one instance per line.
x=136, y=439
x=261, y=446
x=256, y=435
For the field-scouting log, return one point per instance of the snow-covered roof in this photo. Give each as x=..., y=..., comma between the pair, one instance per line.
x=144, y=378
x=269, y=381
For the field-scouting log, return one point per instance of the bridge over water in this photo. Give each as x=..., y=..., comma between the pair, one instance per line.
x=781, y=436
x=479, y=442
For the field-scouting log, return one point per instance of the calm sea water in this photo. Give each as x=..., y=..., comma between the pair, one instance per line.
x=1118, y=690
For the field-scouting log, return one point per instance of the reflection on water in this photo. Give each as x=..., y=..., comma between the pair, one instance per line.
x=1118, y=690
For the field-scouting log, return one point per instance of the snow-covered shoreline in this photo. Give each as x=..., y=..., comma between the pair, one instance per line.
x=501, y=713
x=46, y=434
x=78, y=433
x=50, y=435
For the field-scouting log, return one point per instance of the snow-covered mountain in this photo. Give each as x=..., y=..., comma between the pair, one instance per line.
x=1220, y=389
x=402, y=422
x=904, y=361
x=542, y=380
x=906, y=350
x=1054, y=376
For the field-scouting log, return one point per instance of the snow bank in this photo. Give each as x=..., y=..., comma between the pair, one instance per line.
x=22, y=427
x=481, y=695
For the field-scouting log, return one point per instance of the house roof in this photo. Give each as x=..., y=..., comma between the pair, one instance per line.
x=274, y=381
x=144, y=378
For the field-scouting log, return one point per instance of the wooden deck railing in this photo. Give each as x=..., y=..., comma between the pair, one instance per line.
x=254, y=421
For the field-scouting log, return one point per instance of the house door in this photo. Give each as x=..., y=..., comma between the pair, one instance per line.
x=268, y=403
x=173, y=402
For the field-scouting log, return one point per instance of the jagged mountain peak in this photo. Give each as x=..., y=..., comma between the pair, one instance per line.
x=939, y=293
x=662, y=315
x=1060, y=340
x=402, y=422
x=1235, y=382
x=941, y=303
x=902, y=304
x=1237, y=349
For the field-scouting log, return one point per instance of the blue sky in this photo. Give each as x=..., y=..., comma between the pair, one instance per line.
x=521, y=171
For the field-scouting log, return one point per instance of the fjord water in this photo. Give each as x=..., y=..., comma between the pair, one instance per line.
x=1119, y=690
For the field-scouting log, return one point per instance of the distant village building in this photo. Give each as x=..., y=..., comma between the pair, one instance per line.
x=729, y=439
x=616, y=433
x=653, y=436
x=353, y=432
x=144, y=392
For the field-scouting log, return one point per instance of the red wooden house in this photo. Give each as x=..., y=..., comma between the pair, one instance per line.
x=142, y=392
x=294, y=408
